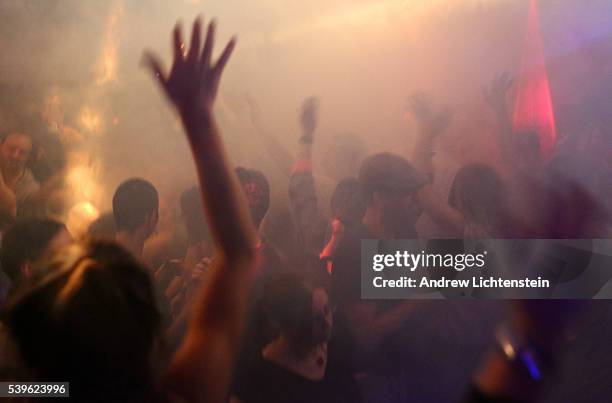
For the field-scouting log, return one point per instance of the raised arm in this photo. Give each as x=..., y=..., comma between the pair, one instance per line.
x=201, y=369
x=495, y=95
x=309, y=220
x=308, y=120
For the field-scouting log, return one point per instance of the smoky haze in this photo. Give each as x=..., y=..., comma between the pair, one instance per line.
x=76, y=64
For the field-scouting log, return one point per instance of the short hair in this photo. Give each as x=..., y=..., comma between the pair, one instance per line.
x=193, y=216
x=133, y=200
x=287, y=303
x=26, y=241
x=259, y=210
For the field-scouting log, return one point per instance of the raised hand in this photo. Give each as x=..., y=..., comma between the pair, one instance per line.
x=432, y=121
x=201, y=370
x=495, y=94
x=193, y=80
x=308, y=118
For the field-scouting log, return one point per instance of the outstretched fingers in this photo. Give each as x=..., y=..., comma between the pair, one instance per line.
x=208, y=45
x=194, y=48
x=227, y=52
x=178, y=43
x=154, y=64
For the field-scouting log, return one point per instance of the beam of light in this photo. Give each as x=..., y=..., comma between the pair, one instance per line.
x=354, y=15
x=81, y=177
x=107, y=65
x=84, y=192
x=534, y=108
x=82, y=189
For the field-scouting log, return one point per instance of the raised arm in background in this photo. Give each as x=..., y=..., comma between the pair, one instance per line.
x=495, y=95
x=308, y=120
x=202, y=367
x=309, y=220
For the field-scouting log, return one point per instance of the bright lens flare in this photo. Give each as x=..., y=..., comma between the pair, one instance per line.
x=80, y=218
x=90, y=120
x=106, y=68
x=81, y=179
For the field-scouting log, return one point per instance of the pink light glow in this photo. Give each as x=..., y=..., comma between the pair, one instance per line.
x=534, y=108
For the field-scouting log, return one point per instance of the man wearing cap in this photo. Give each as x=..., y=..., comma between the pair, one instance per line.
x=389, y=184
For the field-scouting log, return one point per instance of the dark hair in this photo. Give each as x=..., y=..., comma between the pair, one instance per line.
x=287, y=303
x=386, y=172
x=90, y=319
x=480, y=194
x=133, y=200
x=193, y=216
x=347, y=202
x=26, y=241
x=258, y=210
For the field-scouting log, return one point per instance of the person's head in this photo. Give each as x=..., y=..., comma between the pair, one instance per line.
x=15, y=150
x=26, y=242
x=192, y=212
x=136, y=207
x=389, y=184
x=347, y=202
x=479, y=193
x=298, y=310
x=89, y=318
x=257, y=190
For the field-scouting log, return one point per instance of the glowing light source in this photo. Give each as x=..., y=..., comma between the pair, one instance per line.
x=80, y=218
x=90, y=120
x=81, y=178
x=106, y=68
x=534, y=108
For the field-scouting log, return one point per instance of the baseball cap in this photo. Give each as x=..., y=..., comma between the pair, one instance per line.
x=389, y=172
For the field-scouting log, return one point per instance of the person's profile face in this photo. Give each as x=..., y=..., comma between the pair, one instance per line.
x=254, y=193
x=15, y=150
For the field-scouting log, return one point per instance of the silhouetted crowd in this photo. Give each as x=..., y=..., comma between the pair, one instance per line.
x=231, y=312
